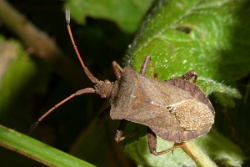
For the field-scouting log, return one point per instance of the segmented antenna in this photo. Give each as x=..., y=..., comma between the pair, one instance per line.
x=79, y=92
x=86, y=70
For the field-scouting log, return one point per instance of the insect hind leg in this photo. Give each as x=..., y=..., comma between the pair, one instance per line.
x=189, y=75
x=152, y=144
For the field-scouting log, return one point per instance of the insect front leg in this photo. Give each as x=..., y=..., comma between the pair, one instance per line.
x=189, y=75
x=117, y=69
x=152, y=144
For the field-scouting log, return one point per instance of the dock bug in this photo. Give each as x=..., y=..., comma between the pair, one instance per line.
x=176, y=110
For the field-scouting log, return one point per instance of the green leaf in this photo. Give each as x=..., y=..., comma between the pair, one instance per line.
x=198, y=35
x=127, y=14
x=37, y=151
x=223, y=93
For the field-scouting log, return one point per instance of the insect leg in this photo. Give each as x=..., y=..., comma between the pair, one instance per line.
x=144, y=66
x=152, y=144
x=119, y=132
x=190, y=75
x=117, y=69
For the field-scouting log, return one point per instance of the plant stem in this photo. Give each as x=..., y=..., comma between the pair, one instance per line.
x=200, y=158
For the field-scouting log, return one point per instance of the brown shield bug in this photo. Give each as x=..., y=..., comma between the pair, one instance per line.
x=176, y=110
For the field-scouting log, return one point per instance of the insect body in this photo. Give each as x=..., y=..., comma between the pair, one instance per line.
x=176, y=110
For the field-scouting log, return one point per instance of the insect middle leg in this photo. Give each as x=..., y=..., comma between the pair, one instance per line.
x=119, y=132
x=119, y=136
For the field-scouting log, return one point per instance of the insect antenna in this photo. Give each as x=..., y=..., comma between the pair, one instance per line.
x=86, y=70
x=79, y=92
